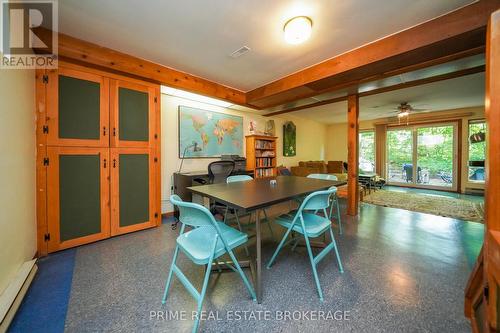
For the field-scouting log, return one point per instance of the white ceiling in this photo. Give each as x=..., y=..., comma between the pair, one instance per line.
x=197, y=36
x=462, y=92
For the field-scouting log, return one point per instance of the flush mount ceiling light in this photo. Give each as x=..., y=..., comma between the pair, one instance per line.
x=298, y=29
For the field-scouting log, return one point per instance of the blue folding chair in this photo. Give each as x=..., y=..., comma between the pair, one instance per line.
x=244, y=178
x=310, y=225
x=334, y=200
x=205, y=243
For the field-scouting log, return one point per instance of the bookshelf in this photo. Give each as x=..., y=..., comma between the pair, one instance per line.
x=261, y=155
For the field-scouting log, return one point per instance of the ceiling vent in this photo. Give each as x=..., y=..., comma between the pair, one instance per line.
x=239, y=52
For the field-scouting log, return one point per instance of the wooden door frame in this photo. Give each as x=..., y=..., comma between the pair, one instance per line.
x=115, y=85
x=53, y=107
x=53, y=153
x=154, y=215
x=492, y=184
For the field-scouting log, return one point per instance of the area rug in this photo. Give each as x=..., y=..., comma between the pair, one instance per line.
x=428, y=203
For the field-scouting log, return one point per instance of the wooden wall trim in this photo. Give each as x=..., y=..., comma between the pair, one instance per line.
x=455, y=32
x=414, y=83
x=352, y=154
x=85, y=53
x=41, y=170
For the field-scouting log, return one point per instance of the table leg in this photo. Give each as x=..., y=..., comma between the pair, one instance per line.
x=258, y=285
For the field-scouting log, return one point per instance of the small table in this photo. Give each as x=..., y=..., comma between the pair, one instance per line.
x=257, y=194
x=369, y=179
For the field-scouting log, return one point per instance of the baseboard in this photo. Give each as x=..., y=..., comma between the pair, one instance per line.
x=11, y=298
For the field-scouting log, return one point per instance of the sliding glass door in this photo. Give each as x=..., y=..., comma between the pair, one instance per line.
x=400, y=156
x=431, y=148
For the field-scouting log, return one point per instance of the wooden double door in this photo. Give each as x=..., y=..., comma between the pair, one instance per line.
x=102, y=156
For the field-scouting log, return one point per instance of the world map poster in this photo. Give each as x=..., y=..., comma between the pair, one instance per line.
x=209, y=134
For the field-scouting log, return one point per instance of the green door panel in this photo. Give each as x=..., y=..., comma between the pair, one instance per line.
x=134, y=189
x=79, y=109
x=79, y=196
x=133, y=115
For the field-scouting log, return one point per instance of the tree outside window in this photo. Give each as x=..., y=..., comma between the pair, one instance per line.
x=367, y=151
x=477, y=150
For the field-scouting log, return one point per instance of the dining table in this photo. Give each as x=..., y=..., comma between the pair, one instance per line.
x=254, y=195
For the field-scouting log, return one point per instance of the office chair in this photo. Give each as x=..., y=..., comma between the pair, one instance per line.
x=218, y=171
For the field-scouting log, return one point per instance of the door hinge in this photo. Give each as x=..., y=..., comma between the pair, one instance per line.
x=45, y=129
x=156, y=136
x=46, y=237
x=156, y=215
x=156, y=159
x=45, y=79
x=105, y=163
x=486, y=293
x=156, y=99
x=45, y=161
x=114, y=131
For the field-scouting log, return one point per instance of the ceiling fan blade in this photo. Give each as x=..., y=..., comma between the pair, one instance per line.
x=418, y=110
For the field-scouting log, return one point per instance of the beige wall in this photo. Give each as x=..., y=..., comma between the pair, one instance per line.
x=17, y=171
x=310, y=140
x=336, y=139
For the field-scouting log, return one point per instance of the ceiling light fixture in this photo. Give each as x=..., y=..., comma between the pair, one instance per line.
x=297, y=30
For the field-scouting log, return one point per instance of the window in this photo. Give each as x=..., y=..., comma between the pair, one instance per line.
x=477, y=150
x=367, y=151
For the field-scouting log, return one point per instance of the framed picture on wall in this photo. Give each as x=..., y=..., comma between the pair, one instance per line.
x=289, y=139
x=208, y=134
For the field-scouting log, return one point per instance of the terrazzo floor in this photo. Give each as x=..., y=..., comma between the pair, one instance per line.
x=404, y=272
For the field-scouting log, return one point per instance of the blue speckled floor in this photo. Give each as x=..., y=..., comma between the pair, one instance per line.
x=404, y=272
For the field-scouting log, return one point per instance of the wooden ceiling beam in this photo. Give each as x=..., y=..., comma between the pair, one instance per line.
x=409, y=84
x=81, y=52
x=457, y=32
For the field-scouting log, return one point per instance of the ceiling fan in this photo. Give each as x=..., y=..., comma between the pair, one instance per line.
x=404, y=110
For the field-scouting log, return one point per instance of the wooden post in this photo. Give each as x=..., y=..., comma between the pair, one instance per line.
x=352, y=154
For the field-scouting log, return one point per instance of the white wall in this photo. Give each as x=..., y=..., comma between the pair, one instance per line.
x=310, y=140
x=17, y=171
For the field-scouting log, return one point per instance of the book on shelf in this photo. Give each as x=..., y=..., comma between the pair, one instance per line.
x=264, y=172
x=264, y=162
x=263, y=144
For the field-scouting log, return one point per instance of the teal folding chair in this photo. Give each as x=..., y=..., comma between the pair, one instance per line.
x=309, y=225
x=334, y=200
x=244, y=178
x=205, y=243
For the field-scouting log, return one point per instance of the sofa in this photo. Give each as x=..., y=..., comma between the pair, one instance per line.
x=306, y=168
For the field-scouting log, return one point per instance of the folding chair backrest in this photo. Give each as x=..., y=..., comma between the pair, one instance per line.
x=324, y=176
x=238, y=178
x=192, y=214
x=318, y=200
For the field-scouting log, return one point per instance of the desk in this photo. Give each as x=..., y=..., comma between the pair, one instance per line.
x=368, y=179
x=257, y=194
x=183, y=180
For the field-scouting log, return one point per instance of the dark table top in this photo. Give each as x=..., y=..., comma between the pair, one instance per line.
x=259, y=193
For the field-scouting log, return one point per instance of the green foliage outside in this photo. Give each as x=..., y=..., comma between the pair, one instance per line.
x=434, y=149
x=367, y=151
x=477, y=151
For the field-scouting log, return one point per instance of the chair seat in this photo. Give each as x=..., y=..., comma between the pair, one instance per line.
x=315, y=225
x=197, y=243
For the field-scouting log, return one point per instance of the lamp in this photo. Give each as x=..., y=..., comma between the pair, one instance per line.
x=195, y=147
x=298, y=29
